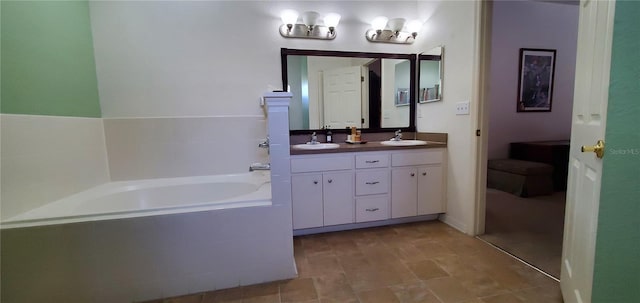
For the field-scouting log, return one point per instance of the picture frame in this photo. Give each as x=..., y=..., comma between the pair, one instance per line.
x=535, y=79
x=402, y=97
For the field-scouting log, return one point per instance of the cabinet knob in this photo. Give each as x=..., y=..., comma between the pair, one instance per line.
x=424, y=174
x=330, y=180
x=315, y=182
x=412, y=174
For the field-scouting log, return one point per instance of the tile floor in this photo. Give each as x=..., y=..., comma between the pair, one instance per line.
x=426, y=262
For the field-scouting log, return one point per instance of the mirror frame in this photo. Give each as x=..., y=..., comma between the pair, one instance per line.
x=432, y=58
x=284, y=52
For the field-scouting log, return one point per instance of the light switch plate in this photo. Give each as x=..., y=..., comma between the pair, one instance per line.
x=462, y=108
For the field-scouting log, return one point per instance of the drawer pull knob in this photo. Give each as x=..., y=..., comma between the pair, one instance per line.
x=372, y=161
x=372, y=209
x=412, y=174
x=424, y=174
x=372, y=183
x=330, y=180
x=315, y=182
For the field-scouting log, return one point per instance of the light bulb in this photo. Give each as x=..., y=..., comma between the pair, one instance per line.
x=379, y=23
x=396, y=24
x=310, y=18
x=414, y=26
x=289, y=16
x=331, y=20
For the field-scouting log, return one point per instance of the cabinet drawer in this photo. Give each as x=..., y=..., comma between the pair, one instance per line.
x=372, y=208
x=372, y=182
x=417, y=158
x=372, y=161
x=301, y=165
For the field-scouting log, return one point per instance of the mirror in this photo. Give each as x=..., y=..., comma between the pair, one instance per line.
x=430, y=75
x=336, y=90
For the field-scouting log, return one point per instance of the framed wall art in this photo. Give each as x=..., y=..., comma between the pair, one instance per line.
x=535, y=79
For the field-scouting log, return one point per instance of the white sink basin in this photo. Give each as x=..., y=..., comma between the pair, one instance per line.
x=316, y=146
x=404, y=143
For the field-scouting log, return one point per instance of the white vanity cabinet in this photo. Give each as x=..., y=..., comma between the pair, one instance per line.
x=417, y=183
x=322, y=191
x=358, y=187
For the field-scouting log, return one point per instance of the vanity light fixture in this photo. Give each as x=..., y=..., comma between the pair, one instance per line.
x=310, y=27
x=393, y=31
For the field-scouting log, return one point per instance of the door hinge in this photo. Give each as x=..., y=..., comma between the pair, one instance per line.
x=477, y=133
x=362, y=120
x=361, y=79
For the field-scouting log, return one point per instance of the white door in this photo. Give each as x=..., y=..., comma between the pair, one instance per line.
x=342, y=93
x=585, y=169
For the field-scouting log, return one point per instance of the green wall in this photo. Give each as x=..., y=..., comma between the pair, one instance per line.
x=617, y=261
x=48, y=66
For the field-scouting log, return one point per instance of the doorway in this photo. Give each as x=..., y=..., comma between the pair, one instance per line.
x=528, y=150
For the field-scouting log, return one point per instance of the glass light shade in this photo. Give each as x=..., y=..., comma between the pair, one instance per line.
x=289, y=16
x=414, y=26
x=331, y=20
x=379, y=23
x=310, y=18
x=396, y=24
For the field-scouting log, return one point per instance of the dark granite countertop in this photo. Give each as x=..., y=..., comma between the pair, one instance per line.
x=369, y=146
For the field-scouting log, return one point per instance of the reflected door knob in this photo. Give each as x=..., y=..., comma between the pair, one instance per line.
x=598, y=149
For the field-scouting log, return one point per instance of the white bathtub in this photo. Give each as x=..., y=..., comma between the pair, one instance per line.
x=137, y=198
x=141, y=240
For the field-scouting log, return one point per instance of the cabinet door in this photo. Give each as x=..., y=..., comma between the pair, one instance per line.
x=430, y=195
x=404, y=192
x=306, y=196
x=339, y=206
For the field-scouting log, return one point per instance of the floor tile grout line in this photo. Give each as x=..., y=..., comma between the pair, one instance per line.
x=520, y=260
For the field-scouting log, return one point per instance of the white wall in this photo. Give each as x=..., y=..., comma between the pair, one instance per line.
x=454, y=24
x=163, y=58
x=525, y=24
x=147, y=148
x=205, y=59
x=45, y=158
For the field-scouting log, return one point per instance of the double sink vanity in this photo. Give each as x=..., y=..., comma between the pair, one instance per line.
x=344, y=186
x=336, y=185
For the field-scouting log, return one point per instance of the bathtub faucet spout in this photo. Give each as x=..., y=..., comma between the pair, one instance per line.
x=259, y=166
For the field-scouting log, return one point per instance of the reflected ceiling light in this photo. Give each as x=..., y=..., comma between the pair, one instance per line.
x=393, y=31
x=310, y=27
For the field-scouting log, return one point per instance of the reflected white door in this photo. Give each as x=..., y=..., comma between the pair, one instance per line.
x=342, y=97
x=593, y=64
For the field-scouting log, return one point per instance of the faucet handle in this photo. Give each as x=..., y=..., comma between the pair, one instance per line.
x=265, y=143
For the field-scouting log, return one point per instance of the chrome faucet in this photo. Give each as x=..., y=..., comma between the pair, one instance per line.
x=259, y=166
x=397, y=136
x=314, y=138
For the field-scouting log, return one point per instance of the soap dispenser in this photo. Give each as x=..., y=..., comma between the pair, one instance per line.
x=329, y=136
